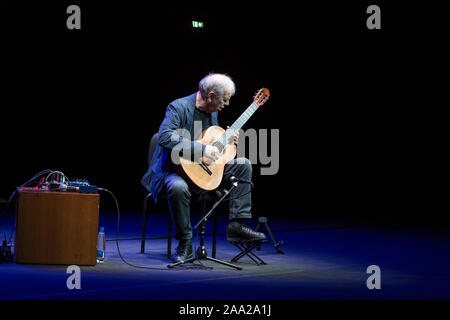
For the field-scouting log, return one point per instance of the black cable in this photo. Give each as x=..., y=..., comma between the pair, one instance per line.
x=117, y=236
x=37, y=175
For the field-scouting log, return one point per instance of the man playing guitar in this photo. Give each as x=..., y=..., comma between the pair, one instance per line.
x=202, y=107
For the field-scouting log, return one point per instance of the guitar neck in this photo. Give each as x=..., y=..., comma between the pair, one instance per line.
x=238, y=124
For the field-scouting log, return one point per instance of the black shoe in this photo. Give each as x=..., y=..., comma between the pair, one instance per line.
x=184, y=251
x=239, y=232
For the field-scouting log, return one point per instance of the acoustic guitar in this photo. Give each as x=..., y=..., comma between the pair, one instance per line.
x=209, y=176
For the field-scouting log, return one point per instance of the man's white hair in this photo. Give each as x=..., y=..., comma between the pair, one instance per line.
x=217, y=82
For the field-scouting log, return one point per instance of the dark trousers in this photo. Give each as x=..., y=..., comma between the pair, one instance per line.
x=179, y=196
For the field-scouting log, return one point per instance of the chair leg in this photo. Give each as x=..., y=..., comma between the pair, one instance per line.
x=214, y=237
x=169, y=238
x=144, y=222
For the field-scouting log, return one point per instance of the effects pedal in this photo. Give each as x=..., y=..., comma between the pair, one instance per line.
x=82, y=186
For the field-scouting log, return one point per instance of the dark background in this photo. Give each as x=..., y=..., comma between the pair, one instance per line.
x=358, y=110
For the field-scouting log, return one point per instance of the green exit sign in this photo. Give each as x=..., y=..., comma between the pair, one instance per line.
x=197, y=24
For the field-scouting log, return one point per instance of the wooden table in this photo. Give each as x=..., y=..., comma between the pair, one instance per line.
x=56, y=227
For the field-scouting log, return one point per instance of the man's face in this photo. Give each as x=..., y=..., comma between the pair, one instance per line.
x=217, y=102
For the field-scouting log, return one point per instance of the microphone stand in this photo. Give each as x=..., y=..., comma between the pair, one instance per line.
x=201, y=253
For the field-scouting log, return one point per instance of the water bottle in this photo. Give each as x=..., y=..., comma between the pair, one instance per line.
x=101, y=245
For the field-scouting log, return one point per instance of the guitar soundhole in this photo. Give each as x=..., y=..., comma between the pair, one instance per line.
x=218, y=145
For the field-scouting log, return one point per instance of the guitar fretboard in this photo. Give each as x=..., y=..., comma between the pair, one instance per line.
x=238, y=124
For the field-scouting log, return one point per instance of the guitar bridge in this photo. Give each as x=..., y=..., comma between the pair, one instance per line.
x=205, y=167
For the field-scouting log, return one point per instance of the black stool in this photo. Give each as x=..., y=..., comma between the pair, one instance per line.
x=246, y=248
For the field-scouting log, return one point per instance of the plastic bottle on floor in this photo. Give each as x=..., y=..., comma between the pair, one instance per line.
x=101, y=245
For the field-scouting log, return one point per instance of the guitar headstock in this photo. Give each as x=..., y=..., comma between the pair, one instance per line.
x=261, y=97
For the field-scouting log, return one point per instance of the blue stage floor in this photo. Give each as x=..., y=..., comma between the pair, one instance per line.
x=326, y=260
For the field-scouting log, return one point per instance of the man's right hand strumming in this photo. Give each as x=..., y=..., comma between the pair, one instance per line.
x=210, y=155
